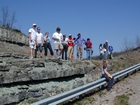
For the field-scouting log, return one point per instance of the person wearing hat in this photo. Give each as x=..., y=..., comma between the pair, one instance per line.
x=105, y=46
x=79, y=42
x=64, y=42
x=57, y=37
x=70, y=46
x=32, y=39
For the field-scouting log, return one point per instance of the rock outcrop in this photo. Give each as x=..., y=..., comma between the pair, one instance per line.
x=14, y=37
x=32, y=80
x=36, y=79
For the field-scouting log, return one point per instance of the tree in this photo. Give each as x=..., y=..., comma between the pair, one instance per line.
x=137, y=41
x=7, y=21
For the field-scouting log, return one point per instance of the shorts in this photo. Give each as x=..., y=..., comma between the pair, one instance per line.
x=39, y=47
x=58, y=46
x=32, y=44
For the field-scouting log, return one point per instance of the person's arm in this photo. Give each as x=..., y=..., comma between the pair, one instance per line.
x=30, y=35
x=106, y=72
x=42, y=39
x=36, y=41
x=54, y=38
x=49, y=39
x=84, y=41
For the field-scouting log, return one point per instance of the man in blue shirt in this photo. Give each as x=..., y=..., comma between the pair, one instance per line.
x=80, y=41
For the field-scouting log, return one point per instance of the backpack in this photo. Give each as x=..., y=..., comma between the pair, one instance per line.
x=110, y=48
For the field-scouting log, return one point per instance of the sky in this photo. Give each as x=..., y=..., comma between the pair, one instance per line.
x=99, y=20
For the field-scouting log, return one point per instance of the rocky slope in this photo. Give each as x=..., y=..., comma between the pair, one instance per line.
x=25, y=81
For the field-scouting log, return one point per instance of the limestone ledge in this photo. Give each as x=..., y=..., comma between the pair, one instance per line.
x=24, y=70
x=14, y=37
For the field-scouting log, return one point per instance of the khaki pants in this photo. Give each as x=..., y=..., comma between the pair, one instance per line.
x=79, y=52
x=70, y=52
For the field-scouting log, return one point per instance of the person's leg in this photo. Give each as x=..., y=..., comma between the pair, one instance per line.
x=91, y=54
x=81, y=52
x=45, y=49
x=61, y=48
x=71, y=53
x=40, y=48
x=68, y=53
x=105, y=55
x=50, y=49
x=66, y=50
x=31, y=53
x=56, y=47
x=36, y=51
x=109, y=82
x=78, y=52
x=87, y=51
x=63, y=52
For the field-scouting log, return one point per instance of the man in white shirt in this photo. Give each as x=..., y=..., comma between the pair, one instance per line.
x=32, y=39
x=39, y=42
x=57, y=37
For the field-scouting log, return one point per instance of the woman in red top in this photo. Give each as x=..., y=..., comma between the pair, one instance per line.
x=70, y=46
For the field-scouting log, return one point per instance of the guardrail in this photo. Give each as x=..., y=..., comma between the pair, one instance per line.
x=54, y=100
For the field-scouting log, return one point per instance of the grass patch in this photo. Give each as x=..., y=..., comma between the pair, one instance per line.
x=100, y=93
x=30, y=101
x=121, y=100
x=87, y=63
x=91, y=99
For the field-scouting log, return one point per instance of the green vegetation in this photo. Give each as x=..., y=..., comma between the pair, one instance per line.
x=100, y=93
x=88, y=63
x=29, y=101
x=121, y=100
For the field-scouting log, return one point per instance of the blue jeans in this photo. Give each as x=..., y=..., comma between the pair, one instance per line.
x=110, y=81
x=39, y=47
x=106, y=55
x=89, y=55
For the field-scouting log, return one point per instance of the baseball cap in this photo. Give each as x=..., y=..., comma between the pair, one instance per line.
x=106, y=41
x=34, y=24
x=70, y=34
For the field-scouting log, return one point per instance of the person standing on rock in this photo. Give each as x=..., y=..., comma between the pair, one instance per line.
x=57, y=37
x=101, y=51
x=32, y=40
x=70, y=46
x=105, y=46
x=107, y=75
x=64, y=42
x=88, y=49
x=47, y=45
x=79, y=42
x=39, y=42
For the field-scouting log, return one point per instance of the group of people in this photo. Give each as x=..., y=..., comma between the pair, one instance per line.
x=105, y=51
x=63, y=46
